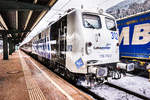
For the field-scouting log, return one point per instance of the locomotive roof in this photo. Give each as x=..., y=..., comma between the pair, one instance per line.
x=82, y=10
x=96, y=12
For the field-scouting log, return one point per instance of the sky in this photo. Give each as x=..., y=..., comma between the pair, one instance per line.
x=63, y=5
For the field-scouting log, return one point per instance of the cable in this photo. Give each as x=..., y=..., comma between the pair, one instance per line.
x=60, y=9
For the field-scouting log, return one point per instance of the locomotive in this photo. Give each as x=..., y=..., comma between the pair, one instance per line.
x=81, y=43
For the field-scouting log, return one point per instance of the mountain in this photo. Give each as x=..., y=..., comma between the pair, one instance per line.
x=129, y=7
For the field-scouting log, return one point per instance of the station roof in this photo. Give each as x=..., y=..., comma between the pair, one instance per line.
x=19, y=17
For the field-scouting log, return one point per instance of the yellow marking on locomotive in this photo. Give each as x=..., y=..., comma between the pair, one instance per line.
x=134, y=60
x=142, y=63
x=135, y=57
x=149, y=74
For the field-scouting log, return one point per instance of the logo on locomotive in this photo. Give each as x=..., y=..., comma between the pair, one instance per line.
x=140, y=35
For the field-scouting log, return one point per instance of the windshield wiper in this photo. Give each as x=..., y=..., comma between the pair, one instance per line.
x=89, y=24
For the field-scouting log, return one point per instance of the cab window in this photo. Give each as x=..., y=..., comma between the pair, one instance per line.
x=91, y=21
x=110, y=24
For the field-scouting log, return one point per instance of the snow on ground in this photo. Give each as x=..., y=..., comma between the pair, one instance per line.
x=134, y=83
x=110, y=93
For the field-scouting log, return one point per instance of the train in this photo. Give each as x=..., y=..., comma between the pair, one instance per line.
x=81, y=43
x=134, y=38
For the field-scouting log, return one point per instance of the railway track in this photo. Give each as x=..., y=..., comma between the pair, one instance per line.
x=128, y=91
x=141, y=73
x=124, y=93
x=94, y=95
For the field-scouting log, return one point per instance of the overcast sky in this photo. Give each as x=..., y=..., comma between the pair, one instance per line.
x=62, y=5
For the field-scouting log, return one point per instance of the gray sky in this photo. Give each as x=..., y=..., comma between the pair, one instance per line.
x=62, y=5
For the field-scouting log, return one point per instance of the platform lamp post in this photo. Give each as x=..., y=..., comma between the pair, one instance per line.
x=10, y=47
x=5, y=46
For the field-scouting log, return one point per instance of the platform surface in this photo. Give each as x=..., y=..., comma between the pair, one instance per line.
x=23, y=78
x=12, y=81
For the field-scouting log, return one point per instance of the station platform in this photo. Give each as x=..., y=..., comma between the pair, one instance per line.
x=23, y=78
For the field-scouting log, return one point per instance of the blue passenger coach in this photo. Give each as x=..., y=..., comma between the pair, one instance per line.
x=134, y=36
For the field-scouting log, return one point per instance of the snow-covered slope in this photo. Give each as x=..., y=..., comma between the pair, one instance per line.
x=129, y=7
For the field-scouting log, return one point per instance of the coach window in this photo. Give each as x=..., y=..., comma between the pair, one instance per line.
x=40, y=36
x=110, y=24
x=47, y=39
x=91, y=21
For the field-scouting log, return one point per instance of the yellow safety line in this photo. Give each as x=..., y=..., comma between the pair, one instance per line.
x=34, y=91
x=55, y=84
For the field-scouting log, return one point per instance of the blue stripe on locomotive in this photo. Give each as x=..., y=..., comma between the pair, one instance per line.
x=139, y=51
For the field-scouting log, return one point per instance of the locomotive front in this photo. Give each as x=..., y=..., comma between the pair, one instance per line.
x=94, y=44
x=101, y=43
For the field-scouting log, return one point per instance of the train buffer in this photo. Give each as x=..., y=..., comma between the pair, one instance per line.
x=23, y=78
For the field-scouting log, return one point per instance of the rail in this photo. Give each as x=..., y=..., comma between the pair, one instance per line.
x=128, y=91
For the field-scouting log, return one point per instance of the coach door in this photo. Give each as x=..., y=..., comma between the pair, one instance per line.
x=62, y=39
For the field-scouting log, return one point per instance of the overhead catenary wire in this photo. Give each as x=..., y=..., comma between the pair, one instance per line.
x=60, y=9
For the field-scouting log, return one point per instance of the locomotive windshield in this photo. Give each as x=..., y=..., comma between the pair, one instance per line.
x=91, y=21
x=110, y=24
